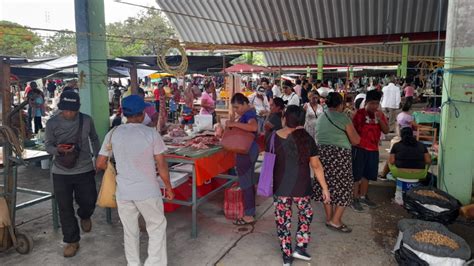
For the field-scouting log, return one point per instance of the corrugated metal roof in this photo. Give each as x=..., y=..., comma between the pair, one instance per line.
x=343, y=55
x=253, y=21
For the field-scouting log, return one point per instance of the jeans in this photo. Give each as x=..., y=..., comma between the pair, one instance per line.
x=38, y=124
x=83, y=187
x=246, y=170
x=261, y=123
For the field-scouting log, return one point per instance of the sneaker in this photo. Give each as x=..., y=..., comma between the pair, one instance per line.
x=300, y=253
x=287, y=261
x=71, y=249
x=367, y=202
x=86, y=225
x=356, y=206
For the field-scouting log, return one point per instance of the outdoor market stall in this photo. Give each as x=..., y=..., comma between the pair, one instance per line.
x=202, y=160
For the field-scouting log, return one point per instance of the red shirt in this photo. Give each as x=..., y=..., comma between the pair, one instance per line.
x=369, y=129
x=156, y=92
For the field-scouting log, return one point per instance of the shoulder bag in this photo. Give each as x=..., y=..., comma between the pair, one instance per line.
x=265, y=182
x=108, y=187
x=69, y=160
x=237, y=140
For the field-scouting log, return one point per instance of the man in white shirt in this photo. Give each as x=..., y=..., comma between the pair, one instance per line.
x=391, y=102
x=290, y=96
x=260, y=102
x=276, y=90
x=138, y=152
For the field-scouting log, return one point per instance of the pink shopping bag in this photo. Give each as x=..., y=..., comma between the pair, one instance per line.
x=265, y=182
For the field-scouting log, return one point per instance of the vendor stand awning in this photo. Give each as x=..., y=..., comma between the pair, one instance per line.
x=246, y=68
x=25, y=74
x=196, y=64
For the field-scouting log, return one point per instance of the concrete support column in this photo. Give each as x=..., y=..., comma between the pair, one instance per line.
x=320, y=61
x=399, y=71
x=308, y=72
x=404, y=65
x=351, y=72
x=92, y=62
x=456, y=169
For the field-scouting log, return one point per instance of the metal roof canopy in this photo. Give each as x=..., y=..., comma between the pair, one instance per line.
x=358, y=55
x=239, y=21
x=291, y=23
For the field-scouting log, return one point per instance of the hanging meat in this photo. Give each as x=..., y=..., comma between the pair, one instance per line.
x=163, y=116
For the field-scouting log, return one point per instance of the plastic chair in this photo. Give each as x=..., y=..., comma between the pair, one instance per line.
x=410, y=174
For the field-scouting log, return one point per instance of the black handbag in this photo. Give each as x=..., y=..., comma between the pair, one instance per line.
x=69, y=160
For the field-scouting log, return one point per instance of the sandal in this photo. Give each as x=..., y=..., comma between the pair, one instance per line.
x=342, y=228
x=242, y=222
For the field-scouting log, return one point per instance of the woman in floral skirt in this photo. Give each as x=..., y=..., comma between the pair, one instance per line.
x=295, y=152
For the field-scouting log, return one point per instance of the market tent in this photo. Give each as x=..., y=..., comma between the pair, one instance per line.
x=246, y=68
x=196, y=64
x=25, y=74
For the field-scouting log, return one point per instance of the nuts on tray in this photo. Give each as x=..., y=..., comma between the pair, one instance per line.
x=435, y=238
x=431, y=194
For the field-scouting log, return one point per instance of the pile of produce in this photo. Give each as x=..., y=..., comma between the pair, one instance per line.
x=429, y=243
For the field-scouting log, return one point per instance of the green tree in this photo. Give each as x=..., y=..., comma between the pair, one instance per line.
x=59, y=44
x=138, y=35
x=16, y=40
x=258, y=59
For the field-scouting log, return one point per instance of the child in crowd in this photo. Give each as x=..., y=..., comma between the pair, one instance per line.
x=369, y=122
x=187, y=117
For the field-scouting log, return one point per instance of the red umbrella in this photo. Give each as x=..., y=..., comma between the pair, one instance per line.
x=246, y=68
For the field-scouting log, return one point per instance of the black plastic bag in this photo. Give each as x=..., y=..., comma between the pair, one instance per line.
x=406, y=257
x=415, y=204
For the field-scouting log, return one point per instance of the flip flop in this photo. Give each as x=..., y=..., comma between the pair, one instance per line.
x=242, y=222
x=342, y=228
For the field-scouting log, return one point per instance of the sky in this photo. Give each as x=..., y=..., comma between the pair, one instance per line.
x=59, y=14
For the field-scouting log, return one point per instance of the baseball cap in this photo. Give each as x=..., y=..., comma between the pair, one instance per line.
x=69, y=101
x=133, y=105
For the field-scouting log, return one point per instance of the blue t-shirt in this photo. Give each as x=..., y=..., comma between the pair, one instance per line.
x=250, y=114
x=39, y=101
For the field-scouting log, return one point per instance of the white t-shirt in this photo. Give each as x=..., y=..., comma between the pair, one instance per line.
x=276, y=91
x=391, y=96
x=258, y=104
x=134, y=147
x=292, y=99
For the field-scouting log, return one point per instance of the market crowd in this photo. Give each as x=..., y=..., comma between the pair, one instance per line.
x=326, y=146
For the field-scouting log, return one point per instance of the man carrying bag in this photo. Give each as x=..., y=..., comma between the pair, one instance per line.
x=69, y=138
x=138, y=151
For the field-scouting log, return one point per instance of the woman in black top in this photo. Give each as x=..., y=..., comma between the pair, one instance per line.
x=409, y=153
x=295, y=152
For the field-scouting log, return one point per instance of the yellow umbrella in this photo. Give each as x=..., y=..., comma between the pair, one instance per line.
x=160, y=75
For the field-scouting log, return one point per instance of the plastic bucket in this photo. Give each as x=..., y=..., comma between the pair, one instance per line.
x=403, y=185
x=45, y=164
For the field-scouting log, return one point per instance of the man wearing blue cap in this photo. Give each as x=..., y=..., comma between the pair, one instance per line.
x=69, y=138
x=138, y=151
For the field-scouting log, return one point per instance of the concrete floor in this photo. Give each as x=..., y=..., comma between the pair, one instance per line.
x=218, y=242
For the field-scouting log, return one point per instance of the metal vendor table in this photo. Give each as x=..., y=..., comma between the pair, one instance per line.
x=206, y=164
x=29, y=156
